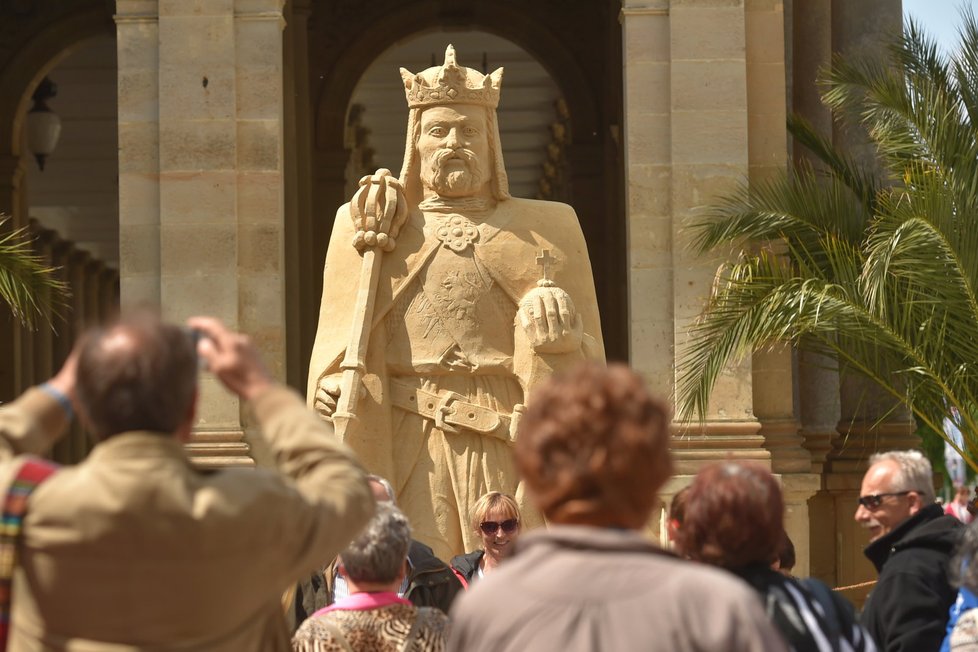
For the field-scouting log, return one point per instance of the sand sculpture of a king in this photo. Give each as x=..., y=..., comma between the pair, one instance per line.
x=445, y=300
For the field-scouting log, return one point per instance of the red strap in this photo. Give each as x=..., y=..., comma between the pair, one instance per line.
x=31, y=474
x=461, y=578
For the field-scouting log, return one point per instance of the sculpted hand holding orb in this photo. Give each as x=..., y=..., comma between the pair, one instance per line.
x=478, y=296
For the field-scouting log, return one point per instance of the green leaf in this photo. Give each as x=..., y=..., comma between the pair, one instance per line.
x=29, y=286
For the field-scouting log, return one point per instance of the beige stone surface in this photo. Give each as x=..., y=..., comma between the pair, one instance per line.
x=139, y=250
x=706, y=30
x=650, y=92
x=651, y=144
x=649, y=191
x=259, y=197
x=647, y=39
x=197, y=144
x=197, y=91
x=700, y=84
x=199, y=197
x=259, y=248
x=195, y=249
x=201, y=211
x=258, y=145
x=478, y=298
x=139, y=146
x=135, y=189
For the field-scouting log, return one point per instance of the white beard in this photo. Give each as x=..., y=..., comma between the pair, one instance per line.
x=454, y=183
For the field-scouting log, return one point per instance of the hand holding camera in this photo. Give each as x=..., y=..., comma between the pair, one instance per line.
x=232, y=357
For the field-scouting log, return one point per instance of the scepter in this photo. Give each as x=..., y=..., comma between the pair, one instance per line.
x=378, y=209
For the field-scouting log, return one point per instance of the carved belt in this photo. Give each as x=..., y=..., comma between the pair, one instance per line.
x=449, y=410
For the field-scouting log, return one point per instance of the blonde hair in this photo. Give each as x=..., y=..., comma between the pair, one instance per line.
x=492, y=501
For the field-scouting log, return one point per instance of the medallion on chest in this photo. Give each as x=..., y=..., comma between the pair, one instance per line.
x=456, y=232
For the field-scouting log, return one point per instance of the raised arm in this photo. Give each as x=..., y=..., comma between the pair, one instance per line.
x=39, y=416
x=337, y=499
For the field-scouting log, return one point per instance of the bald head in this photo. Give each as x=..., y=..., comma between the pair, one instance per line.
x=139, y=374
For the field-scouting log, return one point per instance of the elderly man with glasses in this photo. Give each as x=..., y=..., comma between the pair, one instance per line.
x=911, y=541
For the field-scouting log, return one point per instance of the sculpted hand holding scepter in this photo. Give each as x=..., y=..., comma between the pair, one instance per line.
x=480, y=298
x=378, y=211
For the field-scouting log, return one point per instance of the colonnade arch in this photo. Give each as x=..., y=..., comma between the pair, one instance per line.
x=41, y=35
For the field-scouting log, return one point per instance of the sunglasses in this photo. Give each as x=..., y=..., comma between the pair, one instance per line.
x=509, y=526
x=875, y=500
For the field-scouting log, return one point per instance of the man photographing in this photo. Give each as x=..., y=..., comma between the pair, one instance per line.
x=135, y=549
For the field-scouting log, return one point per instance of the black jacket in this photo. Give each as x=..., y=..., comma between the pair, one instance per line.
x=908, y=608
x=431, y=583
x=467, y=565
x=807, y=613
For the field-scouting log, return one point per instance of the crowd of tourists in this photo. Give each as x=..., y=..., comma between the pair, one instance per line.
x=135, y=549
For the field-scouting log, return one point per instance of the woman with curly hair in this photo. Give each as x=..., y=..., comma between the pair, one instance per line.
x=593, y=451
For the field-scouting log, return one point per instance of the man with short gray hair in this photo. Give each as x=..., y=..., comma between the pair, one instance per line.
x=910, y=543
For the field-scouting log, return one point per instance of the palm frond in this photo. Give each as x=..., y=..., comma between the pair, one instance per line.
x=28, y=285
x=875, y=265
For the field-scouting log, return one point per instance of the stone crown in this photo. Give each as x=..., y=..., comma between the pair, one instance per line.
x=451, y=84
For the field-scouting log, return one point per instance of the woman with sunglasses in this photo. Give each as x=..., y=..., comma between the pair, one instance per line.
x=496, y=519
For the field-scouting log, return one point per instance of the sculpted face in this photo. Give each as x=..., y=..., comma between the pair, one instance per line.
x=454, y=149
x=896, y=504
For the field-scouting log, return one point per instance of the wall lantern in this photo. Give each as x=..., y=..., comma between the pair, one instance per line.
x=43, y=124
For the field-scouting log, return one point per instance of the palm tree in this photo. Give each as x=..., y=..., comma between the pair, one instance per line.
x=877, y=266
x=27, y=284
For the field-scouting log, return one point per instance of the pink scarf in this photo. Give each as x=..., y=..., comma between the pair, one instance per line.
x=363, y=601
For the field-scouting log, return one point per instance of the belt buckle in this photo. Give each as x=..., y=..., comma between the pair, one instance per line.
x=445, y=409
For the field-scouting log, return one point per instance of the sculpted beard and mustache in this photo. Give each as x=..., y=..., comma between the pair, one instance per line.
x=452, y=182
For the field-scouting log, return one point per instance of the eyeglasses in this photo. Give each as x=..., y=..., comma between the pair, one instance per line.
x=874, y=501
x=509, y=526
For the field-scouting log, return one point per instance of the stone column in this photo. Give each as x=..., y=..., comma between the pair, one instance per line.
x=686, y=136
x=648, y=177
x=773, y=368
x=137, y=43
x=708, y=148
x=201, y=176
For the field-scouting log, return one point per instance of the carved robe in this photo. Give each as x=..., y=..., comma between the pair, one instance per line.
x=444, y=335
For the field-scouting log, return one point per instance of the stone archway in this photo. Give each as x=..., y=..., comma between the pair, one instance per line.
x=581, y=50
x=34, y=38
x=527, y=114
x=43, y=37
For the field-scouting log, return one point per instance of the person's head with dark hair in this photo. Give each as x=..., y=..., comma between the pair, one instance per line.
x=593, y=447
x=677, y=512
x=734, y=516
x=138, y=374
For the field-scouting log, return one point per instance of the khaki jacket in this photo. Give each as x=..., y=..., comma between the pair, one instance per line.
x=585, y=589
x=133, y=549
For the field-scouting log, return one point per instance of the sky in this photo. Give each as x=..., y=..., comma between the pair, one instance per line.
x=940, y=18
